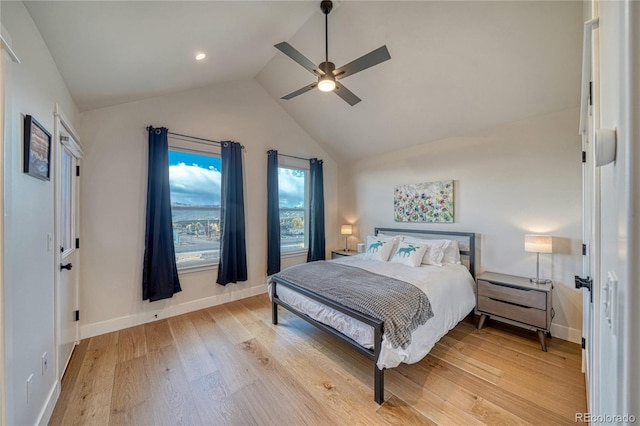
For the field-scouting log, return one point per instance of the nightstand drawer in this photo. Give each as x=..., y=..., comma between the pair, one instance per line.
x=531, y=316
x=525, y=297
x=337, y=254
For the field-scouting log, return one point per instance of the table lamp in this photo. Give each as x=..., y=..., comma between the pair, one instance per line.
x=538, y=244
x=346, y=230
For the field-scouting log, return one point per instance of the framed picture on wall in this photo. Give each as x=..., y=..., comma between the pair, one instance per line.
x=424, y=202
x=37, y=149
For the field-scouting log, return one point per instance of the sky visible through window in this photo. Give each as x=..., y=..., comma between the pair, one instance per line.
x=291, y=188
x=195, y=181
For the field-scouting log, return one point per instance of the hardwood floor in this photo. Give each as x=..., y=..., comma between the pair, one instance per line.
x=229, y=365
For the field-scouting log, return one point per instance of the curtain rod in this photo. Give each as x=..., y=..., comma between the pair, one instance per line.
x=290, y=156
x=195, y=138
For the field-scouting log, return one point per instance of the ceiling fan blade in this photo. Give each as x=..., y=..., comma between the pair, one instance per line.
x=291, y=52
x=300, y=91
x=346, y=94
x=372, y=58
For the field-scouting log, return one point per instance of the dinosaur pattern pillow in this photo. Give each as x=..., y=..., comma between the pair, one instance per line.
x=379, y=248
x=409, y=254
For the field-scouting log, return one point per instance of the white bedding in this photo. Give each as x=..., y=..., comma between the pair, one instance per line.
x=450, y=289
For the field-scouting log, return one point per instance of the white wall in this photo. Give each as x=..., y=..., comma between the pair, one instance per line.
x=512, y=180
x=114, y=196
x=32, y=87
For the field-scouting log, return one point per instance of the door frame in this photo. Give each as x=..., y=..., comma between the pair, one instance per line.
x=5, y=50
x=589, y=121
x=3, y=399
x=63, y=125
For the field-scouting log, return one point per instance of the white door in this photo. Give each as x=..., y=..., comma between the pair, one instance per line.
x=67, y=238
x=613, y=96
x=590, y=209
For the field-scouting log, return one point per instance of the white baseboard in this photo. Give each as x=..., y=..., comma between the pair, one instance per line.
x=47, y=409
x=560, y=331
x=102, y=327
x=565, y=333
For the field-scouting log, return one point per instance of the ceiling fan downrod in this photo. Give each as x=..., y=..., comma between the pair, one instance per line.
x=326, y=6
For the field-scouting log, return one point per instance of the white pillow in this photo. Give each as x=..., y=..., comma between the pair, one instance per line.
x=452, y=253
x=409, y=254
x=436, y=252
x=385, y=237
x=379, y=248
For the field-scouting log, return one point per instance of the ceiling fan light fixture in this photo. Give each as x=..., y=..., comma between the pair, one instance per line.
x=326, y=72
x=326, y=84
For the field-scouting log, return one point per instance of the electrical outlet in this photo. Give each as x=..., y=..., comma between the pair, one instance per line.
x=45, y=363
x=29, y=386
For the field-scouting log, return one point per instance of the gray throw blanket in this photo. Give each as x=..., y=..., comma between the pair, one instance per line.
x=402, y=306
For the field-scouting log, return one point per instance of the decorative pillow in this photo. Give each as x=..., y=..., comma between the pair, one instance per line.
x=409, y=254
x=435, y=254
x=379, y=248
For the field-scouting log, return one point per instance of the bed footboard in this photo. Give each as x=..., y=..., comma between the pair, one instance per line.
x=378, y=327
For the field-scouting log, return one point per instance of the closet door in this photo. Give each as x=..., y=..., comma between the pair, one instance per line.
x=68, y=246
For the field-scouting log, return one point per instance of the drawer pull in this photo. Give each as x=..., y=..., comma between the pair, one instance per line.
x=512, y=286
x=510, y=303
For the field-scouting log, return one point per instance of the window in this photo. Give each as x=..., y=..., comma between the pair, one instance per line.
x=66, y=195
x=194, y=182
x=292, y=191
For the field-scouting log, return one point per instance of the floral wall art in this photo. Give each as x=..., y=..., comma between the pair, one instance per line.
x=424, y=202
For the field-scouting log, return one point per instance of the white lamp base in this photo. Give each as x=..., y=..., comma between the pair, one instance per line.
x=539, y=280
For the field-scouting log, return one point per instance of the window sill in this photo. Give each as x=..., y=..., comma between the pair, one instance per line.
x=296, y=253
x=197, y=268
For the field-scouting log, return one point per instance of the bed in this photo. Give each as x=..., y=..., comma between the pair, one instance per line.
x=450, y=289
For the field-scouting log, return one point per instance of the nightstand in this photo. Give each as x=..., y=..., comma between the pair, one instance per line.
x=516, y=299
x=340, y=253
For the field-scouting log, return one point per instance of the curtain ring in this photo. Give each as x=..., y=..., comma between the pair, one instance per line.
x=158, y=131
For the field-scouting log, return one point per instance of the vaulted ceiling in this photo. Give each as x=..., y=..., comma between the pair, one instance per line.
x=456, y=67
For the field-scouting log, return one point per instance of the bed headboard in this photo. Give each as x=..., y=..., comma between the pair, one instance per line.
x=466, y=240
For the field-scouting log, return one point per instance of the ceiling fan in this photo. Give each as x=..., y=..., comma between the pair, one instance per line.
x=326, y=72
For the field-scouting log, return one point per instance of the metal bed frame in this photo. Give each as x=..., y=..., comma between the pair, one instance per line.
x=467, y=251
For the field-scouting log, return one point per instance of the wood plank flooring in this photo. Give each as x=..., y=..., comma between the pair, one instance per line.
x=229, y=365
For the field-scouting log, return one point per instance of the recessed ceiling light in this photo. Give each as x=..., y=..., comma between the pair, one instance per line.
x=200, y=56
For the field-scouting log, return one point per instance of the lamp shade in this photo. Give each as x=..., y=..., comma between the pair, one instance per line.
x=538, y=243
x=346, y=229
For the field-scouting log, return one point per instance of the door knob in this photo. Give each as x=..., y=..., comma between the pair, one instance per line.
x=68, y=266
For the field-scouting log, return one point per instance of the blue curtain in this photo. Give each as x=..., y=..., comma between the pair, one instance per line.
x=159, y=271
x=316, y=212
x=233, y=250
x=273, y=214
